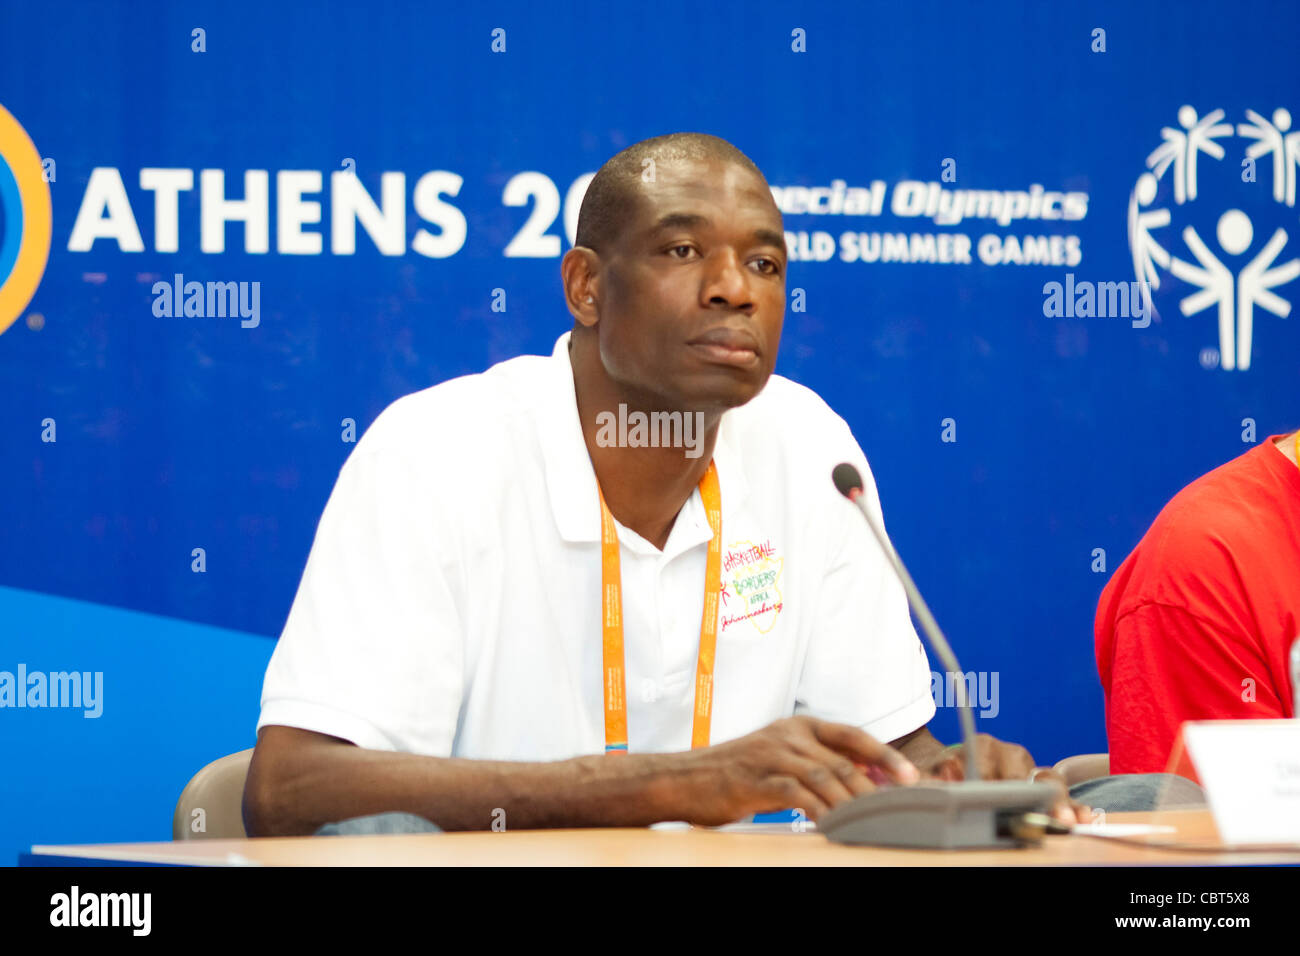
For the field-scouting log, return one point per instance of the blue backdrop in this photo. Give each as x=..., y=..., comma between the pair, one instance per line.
x=131, y=438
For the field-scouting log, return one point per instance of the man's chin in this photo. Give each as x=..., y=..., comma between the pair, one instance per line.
x=724, y=392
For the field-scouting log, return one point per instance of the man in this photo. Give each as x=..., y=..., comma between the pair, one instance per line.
x=456, y=650
x=1198, y=622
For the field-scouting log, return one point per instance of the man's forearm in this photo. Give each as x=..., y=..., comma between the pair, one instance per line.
x=295, y=786
x=919, y=746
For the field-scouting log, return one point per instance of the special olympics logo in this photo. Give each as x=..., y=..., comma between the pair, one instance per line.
x=1237, y=290
x=24, y=220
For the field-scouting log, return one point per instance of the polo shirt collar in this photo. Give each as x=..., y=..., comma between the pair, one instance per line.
x=571, y=479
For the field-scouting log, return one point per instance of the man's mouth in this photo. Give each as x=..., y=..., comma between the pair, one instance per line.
x=728, y=346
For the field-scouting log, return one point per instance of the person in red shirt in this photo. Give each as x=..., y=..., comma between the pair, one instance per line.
x=1198, y=622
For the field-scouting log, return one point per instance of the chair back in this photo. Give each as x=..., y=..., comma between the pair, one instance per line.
x=1083, y=767
x=211, y=805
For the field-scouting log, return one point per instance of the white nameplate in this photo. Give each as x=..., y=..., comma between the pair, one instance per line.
x=1250, y=770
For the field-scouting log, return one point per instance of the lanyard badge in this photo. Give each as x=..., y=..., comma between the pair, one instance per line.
x=611, y=589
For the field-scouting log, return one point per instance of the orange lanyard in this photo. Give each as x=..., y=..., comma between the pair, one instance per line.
x=611, y=589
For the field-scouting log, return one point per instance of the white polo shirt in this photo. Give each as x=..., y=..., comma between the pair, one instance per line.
x=451, y=602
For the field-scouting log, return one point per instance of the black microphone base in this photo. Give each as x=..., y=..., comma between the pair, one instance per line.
x=938, y=816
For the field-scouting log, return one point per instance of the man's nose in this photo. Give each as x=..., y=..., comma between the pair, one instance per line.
x=726, y=283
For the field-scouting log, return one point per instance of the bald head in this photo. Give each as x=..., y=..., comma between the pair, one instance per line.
x=613, y=192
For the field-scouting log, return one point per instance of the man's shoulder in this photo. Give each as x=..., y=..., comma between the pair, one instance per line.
x=462, y=442
x=791, y=411
x=1203, y=535
x=788, y=439
x=1221, y=507
x=474, y=411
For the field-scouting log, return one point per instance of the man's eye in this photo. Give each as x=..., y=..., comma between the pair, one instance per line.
x=674, y=250
x=769, y=266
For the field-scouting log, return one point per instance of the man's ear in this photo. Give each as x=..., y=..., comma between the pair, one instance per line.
x=579, y=270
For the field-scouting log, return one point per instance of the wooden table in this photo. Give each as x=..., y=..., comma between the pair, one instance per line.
x=775, y=845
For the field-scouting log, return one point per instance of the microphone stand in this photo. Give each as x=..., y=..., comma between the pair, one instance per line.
x=935, y=815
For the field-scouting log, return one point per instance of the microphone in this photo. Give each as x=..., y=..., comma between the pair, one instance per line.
x=934, y=815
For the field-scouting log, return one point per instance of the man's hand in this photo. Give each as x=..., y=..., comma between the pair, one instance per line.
x=999, y=760
x=800, y=762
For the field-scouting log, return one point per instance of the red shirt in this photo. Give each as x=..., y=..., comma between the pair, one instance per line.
x=1200, y=618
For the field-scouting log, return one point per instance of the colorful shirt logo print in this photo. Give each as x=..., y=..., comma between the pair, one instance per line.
x=751, y=578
